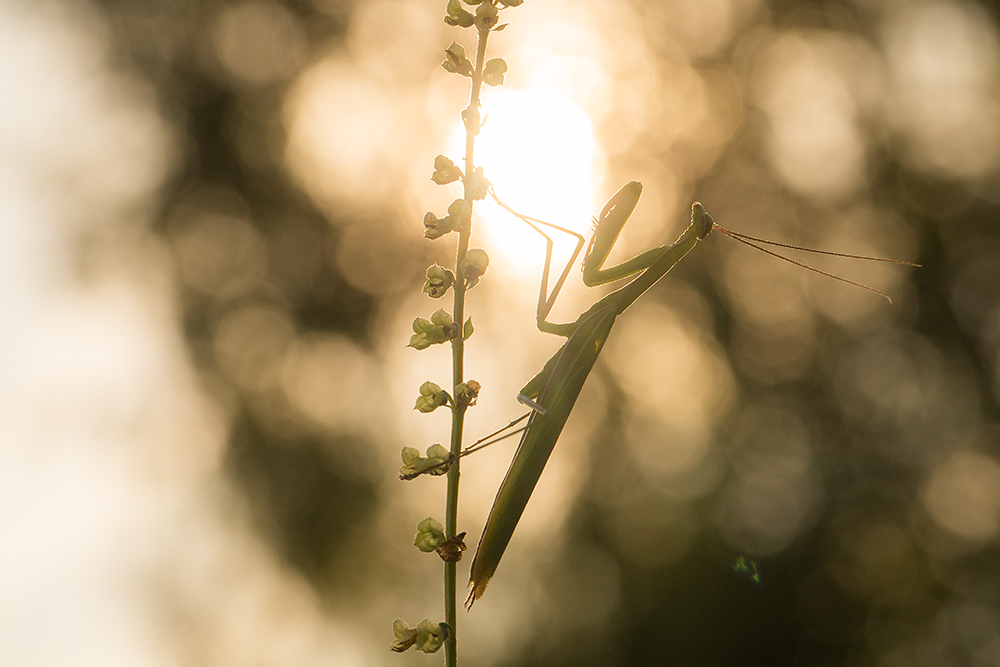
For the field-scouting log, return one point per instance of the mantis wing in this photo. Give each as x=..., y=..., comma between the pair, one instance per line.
x=563, y=378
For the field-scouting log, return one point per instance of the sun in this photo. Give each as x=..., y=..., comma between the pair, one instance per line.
x=537, y=148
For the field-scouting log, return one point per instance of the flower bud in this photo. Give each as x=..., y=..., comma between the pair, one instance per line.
x=442, y=318
x=474, y=265
x=459, y=215
x=439, y=329
x=445, y=170
x=410, y=455
x=414, y=465
x=455, y=60
x=486, y=16
x=439, y=279
x=457, y=15
x=430, y=535
x=431, y=636
x=420, y=338
x=419, y=342
x=435, y=227
x=451, y=550
x=405, y=636
x=446, y=329
x=427, y=636
x=438, y=452
x=466, y=393
x=431, y=398
x=493, y=72
x=429, y=389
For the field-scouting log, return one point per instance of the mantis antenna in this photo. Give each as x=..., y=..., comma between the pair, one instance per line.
x=753, y=240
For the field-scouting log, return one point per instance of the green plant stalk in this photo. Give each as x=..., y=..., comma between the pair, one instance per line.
x=458, y=359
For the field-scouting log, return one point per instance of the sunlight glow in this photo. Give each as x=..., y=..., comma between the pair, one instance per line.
x=537, y=148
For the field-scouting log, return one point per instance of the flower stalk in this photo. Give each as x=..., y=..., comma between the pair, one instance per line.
x=471, y=116
x=455, y=327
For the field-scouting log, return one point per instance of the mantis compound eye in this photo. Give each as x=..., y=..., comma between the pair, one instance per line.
x=702, y=219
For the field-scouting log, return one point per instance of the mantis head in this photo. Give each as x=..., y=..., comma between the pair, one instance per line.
x=705, y=223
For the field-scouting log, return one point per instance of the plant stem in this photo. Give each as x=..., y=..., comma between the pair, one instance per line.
x=458, y=358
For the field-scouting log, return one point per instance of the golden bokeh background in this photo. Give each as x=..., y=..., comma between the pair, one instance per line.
x=211, y=257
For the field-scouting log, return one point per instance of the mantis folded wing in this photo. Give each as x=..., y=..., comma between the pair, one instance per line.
x=554, y=391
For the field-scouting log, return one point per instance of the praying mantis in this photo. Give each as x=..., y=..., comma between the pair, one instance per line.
x=552, y=393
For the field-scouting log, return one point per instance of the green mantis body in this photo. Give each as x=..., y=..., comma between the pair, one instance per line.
x=554, y=391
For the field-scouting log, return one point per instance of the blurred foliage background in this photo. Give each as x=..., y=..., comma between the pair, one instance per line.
x=211, y=255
